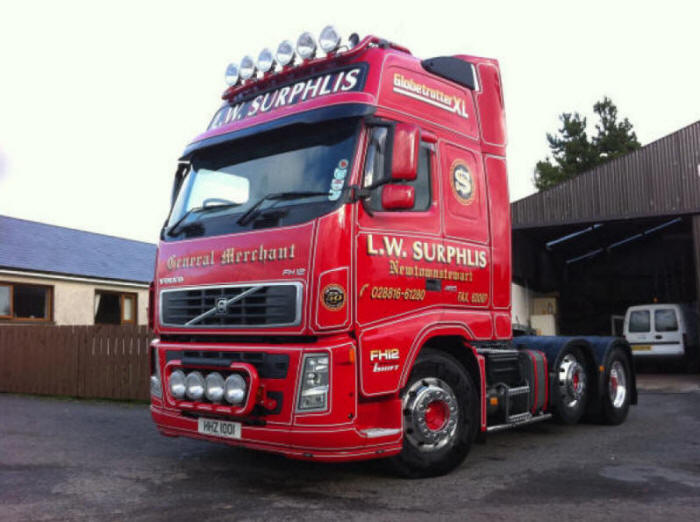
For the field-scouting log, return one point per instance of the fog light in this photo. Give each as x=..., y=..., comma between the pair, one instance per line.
x=313, y=392
x=215, y=387
x=194, y=384
x=285, y=53
x=329, y=39
x=235, y=389
x=306, y=46
x=177, y=384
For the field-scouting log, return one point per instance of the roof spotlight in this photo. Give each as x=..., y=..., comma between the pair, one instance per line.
x=306, y=46
x=247, y=69
x=265, y=60
x=329, y=40
x=285, y=53
x=232, y=74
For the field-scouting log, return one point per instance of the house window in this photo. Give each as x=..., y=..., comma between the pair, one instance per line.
x=115, y=308
x=20, y=302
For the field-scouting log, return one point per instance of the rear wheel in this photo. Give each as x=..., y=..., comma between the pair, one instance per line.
x=571, y=386
x=440, y=409
x=616, y=399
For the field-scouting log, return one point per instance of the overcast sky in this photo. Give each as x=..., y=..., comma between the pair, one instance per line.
x=97, y=99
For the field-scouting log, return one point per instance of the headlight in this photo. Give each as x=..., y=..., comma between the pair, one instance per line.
x=177, y=384
x=247, y=69
x=235, y=389
x=265, y=60
x=306, y=46
x=313, y=389
x=194, y=384
x=156, y=388
x=232, y=74
x=214, y=387
x=285, y=53
x=329, y=39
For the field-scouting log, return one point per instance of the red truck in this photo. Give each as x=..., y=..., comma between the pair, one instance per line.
x=333, y=281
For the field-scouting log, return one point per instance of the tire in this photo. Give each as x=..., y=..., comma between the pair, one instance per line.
x=440, y=408
x=571, y=386
x=616, y=386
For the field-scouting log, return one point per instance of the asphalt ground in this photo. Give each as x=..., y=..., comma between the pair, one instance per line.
x=63, y=459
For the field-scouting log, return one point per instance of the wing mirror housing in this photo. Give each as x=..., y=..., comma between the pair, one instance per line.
x=404, y=158
x=398, y=197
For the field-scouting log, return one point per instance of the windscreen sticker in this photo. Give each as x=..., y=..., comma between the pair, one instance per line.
x=339, y=175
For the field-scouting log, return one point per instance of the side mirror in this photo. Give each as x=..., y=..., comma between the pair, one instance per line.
x=398, y=197
x=404, y=161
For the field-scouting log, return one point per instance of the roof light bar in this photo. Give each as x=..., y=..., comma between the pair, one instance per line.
x=306, y=47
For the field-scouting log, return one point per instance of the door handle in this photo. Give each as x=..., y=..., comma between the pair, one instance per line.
x=658, y=336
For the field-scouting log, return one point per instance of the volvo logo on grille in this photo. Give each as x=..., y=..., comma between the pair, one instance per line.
x=221, y=306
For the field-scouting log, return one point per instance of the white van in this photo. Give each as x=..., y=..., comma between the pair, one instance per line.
x=667, y=330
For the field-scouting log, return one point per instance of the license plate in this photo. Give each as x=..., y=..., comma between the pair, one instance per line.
x=219, y=428
x=641, y=347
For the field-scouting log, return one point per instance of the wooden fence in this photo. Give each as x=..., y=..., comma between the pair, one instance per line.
x=109, y=362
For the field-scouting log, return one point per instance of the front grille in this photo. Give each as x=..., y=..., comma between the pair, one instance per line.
x=232, y=306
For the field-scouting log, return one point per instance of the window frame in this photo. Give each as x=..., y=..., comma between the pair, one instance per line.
x=14, y=318
x=122, y=321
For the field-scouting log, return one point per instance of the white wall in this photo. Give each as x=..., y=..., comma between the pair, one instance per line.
x=521, y=299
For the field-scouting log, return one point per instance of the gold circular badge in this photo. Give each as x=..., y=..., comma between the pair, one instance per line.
x=333, y=297
x=462, y=182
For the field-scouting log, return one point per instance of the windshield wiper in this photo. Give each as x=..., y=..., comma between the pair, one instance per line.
x=278, y=196
x=197, y=210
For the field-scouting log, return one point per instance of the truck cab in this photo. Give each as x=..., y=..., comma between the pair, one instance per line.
x=333, y=280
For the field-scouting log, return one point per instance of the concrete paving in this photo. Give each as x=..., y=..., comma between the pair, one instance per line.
x=88, y=460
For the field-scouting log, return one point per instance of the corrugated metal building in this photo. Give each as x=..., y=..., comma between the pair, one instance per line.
x=625, y=233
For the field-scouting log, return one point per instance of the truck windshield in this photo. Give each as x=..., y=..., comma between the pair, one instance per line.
x=309, y=164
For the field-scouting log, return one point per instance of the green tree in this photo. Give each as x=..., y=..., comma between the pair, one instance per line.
x=573, y=152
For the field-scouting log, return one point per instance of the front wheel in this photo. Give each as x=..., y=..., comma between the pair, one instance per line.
x=440, y=409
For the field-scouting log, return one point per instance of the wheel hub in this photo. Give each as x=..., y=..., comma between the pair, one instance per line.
x=431, y=413
x=617, y=384
x=572, y=380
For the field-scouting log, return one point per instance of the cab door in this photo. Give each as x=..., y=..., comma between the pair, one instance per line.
x=391, y=244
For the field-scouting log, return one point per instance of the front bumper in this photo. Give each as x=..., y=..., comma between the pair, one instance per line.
x=349, y=429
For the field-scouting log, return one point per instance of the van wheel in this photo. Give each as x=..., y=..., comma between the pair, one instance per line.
x=571, y=388
x=440, y=414
x=616, y=396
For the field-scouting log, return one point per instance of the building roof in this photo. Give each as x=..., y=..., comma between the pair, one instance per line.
x=38, y=247
x=660, y=179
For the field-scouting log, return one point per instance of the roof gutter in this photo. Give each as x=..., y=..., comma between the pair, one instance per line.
x=72, y=278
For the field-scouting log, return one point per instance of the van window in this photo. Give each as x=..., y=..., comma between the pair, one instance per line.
x=640, y=321
x=665, y=320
